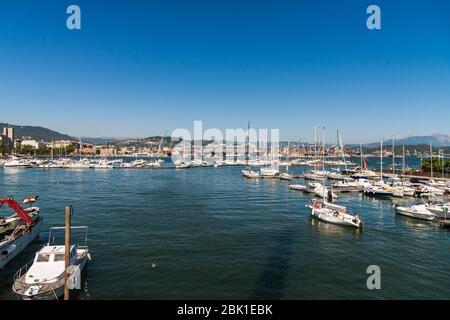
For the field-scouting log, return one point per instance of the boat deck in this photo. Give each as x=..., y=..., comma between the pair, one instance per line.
x=20, y=286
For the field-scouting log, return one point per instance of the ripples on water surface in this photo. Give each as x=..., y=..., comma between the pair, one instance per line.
x=214, y=235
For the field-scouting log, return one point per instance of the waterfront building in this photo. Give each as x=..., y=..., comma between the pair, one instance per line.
x=33, y=143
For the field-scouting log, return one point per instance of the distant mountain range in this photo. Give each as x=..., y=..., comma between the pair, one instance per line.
x=41, y=133
x=36, y=133
x=437, y=140
x=45, y=134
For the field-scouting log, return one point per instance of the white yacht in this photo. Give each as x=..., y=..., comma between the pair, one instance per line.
x=333, y=213
x=43, y=278
x=418, y=211
x=400, y=186
x=430, y=189
x=347, y=185
x=268, y=172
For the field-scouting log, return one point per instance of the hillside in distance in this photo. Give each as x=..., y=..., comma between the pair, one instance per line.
x=35, y=132
x=437, y=140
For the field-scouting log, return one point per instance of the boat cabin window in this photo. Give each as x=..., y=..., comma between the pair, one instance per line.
x=43, y=257
x=59, y=257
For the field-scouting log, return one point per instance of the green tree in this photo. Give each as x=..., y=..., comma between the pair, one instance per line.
x=27, y=150
x=437, y=165
x=43, y=151
x=70, y=149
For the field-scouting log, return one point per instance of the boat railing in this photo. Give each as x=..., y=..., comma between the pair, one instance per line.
x=22, y=271
x=71, y=228
x=20, y=285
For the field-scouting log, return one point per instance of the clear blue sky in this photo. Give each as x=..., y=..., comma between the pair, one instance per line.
x=138, y=68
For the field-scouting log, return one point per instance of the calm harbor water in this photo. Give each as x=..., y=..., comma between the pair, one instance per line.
x=215, y=235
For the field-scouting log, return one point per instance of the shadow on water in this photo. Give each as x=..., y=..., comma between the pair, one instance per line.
x=271, y=282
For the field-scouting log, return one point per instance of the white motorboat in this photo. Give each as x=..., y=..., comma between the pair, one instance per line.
x=298, y=187
x=436, y=206
x=397, y=191
x=286, y=176
x=400, y=187
x=17, y=163
x=313, y=176
x=364, y=174
x=436, y=184
x=333, y=213
x=80, y=164
x=430, y=189
x=347, y=185
x=250, y=174
x=363, y=183
x=13, y=241
x=181, y=165
x=418, y=211
x=336, y=176
x=43, y=278
x=378, y=192
x=268, y=172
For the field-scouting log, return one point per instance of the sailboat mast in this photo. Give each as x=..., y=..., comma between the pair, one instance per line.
x=323, y=150
x=337, y=140
x=393, y=156
x=403, y=164
x=431, y=160
x=323, y=155
x=247, y=147
x=315, y=147
x=381, y=157
x=360, y=151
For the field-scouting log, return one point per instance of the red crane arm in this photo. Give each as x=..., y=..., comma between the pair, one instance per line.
x=17, y=209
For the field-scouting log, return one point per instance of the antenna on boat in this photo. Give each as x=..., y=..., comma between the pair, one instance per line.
x=381, y=157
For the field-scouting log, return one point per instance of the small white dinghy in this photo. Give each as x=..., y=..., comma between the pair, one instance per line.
x=250, y=174
x=285, y=176
x=43, y=278
x=298, y=187
x=333, y=213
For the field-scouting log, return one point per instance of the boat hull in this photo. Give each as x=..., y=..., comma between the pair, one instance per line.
x=416, y=215
x=13, y=248
x=378, y=194
x=56, y=292
x=334, y=220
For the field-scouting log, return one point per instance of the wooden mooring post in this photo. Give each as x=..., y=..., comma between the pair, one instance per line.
x=69, y=210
